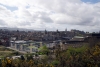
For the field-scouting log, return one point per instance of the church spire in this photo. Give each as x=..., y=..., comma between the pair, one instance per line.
x=45, y=31
x=66, y=30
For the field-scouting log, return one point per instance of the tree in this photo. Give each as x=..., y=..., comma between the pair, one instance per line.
x=22, y=57
x=44, y=50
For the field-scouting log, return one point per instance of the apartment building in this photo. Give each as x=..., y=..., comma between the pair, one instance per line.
x=26, y=46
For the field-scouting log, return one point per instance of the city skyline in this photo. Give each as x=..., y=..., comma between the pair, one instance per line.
x=51, y=15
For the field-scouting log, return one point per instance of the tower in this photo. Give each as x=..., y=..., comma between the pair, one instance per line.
x=45, y=31
x=66, y=30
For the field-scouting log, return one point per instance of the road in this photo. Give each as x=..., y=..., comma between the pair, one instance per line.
x=16, y=50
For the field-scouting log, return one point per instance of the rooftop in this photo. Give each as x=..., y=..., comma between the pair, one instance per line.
x=20, y=41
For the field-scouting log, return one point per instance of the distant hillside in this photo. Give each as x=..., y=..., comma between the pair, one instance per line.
x=13, y=29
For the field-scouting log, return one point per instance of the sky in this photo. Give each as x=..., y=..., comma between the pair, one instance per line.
x=51, y=15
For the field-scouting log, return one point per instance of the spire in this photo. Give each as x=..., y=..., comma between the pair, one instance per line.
x=45, y=31
x=57, y=31
x=66, y=29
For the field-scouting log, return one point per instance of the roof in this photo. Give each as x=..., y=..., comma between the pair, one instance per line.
x=25, y=44
x=32, y=47
x=78, y=37
x=20, y=41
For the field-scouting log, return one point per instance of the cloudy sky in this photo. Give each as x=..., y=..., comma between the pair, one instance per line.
x=51, y=14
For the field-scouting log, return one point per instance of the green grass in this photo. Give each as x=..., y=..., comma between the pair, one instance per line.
x=32, y=47
x=4, y=52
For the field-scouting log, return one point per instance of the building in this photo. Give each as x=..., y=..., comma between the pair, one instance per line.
x=76, y=41
x=26, y=46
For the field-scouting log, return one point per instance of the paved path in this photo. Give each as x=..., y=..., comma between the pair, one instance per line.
x=17, y=50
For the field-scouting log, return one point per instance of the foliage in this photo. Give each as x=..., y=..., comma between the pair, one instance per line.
x=43, y=50
x=55, y=62
x=73, y=57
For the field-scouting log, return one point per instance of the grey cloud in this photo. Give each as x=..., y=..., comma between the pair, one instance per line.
x=77, y=14
x=42, y=16
x=45, y=17
x=2, y=22
x=24, y=23
x=26, y=18
x=61, y=12
x=4, y=11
